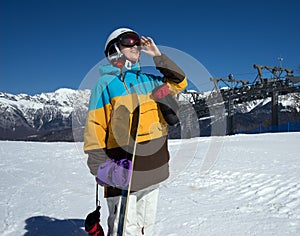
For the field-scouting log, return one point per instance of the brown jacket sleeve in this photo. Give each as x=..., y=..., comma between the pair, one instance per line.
x=171, y=72
x=95, y=159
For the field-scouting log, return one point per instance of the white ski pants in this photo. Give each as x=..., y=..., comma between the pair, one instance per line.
x=141, y=213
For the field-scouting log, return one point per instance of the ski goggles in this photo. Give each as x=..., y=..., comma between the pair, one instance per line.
x=129, y=39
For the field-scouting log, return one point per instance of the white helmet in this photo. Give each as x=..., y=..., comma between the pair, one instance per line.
x=115, y=34
x=112, y=51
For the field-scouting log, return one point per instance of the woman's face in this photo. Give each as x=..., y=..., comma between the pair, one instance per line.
x=131, y=53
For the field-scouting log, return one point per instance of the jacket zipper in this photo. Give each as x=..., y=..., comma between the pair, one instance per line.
x=125, y=85
x=123, y=80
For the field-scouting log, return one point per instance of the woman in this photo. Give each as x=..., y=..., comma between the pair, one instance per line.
x=121, y=92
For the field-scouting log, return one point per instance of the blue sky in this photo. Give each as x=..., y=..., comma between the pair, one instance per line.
x=46, y=45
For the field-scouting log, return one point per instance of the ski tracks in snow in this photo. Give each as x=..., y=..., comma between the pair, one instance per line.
x=224, y=198
x=275, y=194
x=254, y=189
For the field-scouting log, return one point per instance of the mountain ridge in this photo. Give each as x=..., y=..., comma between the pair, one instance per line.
x=60, y=115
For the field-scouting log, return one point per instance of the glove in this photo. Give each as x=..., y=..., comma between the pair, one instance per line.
x=92, y=223
x=167, y=104
x=115, y=173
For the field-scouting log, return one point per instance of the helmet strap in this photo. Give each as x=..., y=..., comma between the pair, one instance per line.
x=119, y=60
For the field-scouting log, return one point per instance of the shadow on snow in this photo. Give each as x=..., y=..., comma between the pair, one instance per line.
x=47, y=226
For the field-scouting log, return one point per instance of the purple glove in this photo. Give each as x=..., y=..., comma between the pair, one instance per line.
x=115, y=173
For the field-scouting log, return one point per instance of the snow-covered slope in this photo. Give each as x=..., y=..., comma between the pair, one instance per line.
x=233, y=185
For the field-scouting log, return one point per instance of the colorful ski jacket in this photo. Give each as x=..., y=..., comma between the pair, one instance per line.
x=108, y=123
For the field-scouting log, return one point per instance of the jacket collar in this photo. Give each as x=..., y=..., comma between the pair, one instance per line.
x=112, y=70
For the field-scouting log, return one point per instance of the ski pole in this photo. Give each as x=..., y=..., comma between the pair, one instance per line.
x=97, y=196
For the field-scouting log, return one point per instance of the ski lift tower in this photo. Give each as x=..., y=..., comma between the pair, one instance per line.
x=229, y=97
x=274, y=82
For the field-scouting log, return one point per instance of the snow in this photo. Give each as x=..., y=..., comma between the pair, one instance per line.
x=21, y=104
x=37, y=109
x=232, y=185
x=290, y=101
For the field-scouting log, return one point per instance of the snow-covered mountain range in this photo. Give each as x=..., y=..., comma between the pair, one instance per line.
x=58, y=115
x=43, y=116
x=252, y=114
